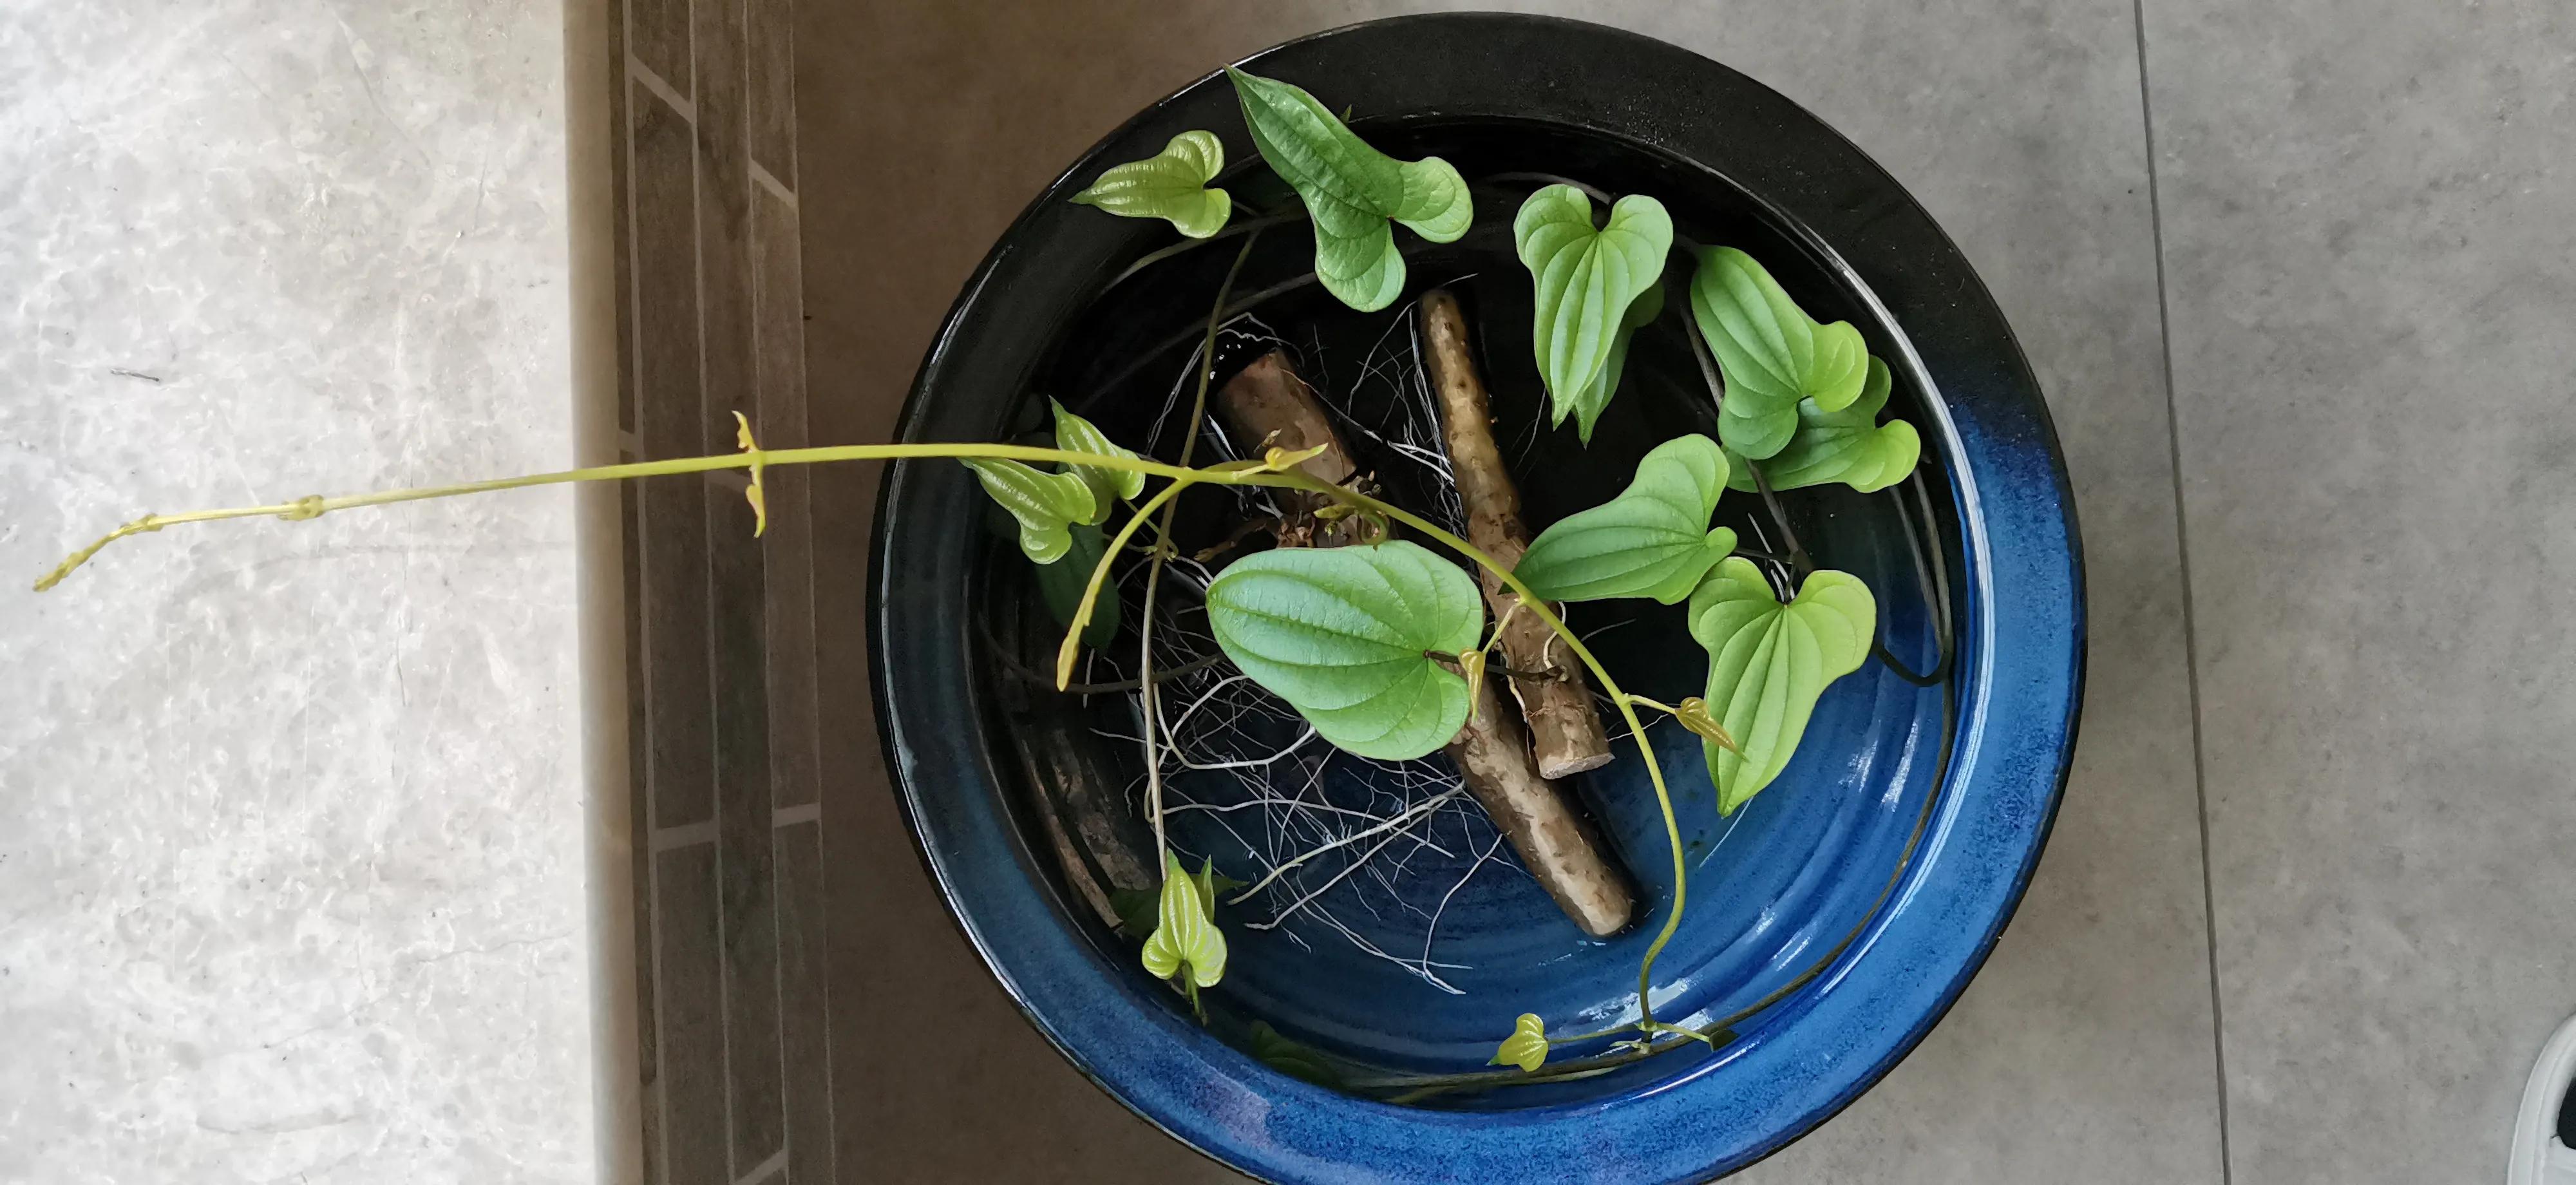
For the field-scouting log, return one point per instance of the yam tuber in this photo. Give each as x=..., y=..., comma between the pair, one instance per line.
x=1565, y=729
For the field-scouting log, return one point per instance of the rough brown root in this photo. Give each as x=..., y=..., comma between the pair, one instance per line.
x=1492, y=753
x=1565, y=729
x=1267, y=402
x=1554, y=843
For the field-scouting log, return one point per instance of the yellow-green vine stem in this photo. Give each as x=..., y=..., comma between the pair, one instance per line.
x=1072, y=648
x=1277, y=469
x=1148, y=699
x=316, y=505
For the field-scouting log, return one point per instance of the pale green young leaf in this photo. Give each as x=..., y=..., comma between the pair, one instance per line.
x=1692, y=712
x=1526, y=1047
x=1351, y=190
x=1170, y=185
x=1768, y=662
x=1848, y=446
x=1185, y=938
x=1139, y=910
x=1770, y=352
x=1587, y=283
x=1213, y=885
x=1345, y=634
x=1653, y=540
x=1046, y=504
x=1075, y=434
x=1435, y=204
x=1061, y=585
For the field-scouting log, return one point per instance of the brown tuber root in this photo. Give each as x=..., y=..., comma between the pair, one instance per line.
x=1555, y=844
x=1266, y=401
x=1565, y=729
x=1493, y=756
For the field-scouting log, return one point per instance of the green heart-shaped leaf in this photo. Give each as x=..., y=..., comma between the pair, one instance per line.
x=1653, y=540
x=1770, y=351
x=1526, y=1047
x=1344, y=635
x=1045, y=503
x=1288, y=1057
x=1075, y=434
x=1351, y=190
x=1138, y=910
x=1848, y=446
x=1767, y=663
x=1171, y=185
x=1185, y=937
x=1061, y=585
x=1589, y=282
x=1641, y=313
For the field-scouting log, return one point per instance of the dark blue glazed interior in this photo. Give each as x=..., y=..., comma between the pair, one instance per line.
x=1860, y=890
x=1778, y=886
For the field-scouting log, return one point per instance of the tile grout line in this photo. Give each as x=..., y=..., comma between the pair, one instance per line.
x=766, y=180
x=829, y=1153
x=2190, y=631
x=684, y=835
x=704, y=525
x=651, y=906
x=686, y=109
x=690, y=835
x=803, y=812
x=765, y=1170
x=751, y=272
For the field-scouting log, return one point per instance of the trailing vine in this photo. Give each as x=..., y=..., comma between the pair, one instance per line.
x=1382, y=645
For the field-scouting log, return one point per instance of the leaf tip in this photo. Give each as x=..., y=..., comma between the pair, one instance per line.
x=1280, y=460
x=1472, y=665
x=1064, y=654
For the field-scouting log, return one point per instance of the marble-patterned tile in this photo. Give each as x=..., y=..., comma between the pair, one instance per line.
x=2368, y=215
x=2084, y=1050
x=290, y=819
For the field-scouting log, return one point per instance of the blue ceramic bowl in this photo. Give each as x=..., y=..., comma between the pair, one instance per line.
x=1830, y=923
